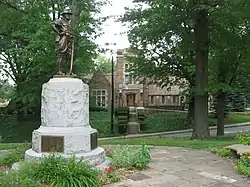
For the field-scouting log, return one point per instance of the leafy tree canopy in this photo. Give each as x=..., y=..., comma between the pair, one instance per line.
x=27, y=42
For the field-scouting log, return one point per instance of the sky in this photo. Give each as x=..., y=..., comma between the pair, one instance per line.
x=113, y=29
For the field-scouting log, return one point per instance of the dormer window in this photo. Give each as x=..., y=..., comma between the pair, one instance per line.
x=127, y=67
x=128, y=79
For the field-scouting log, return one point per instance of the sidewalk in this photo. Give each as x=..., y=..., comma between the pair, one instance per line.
x=181, y=167
x=174, y=133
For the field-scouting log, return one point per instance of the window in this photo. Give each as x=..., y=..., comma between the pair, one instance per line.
x=175, y=99
x=126, y=67
x=100, y=97
x=152, y=99
x=163, y=99
x=181, y=100
x=128, y=79
x=168, y=100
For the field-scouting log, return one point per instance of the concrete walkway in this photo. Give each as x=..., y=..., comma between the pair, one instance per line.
x=180, y=167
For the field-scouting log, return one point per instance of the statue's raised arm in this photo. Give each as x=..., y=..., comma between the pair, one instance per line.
x=62, y=27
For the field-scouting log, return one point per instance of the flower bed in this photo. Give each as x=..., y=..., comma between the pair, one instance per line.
x=54, y=171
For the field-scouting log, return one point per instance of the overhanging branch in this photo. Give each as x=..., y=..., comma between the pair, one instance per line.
x=8, y=4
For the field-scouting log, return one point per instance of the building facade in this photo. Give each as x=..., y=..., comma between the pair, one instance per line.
x=130, y=92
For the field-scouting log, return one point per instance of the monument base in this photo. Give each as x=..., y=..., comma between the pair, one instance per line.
x=94, y=157
x=65, y=129
x=80, y=142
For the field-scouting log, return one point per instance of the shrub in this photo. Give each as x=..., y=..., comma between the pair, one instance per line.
x=166, y=121
x=14, y=155
x=14, y=131
x=122, y=111
x=122, y=115
x=98, y=109
x=17, y=179
x=101, y=121
x=108, y=176
x=243, y=138
x=243, y=166
x=55, y=172
x=130, y=157
x=141, y=119
x=18, y=131
x=221, y=151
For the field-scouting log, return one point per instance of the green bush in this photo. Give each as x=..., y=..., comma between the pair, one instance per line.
x=17, y=179
x=18, y=131
x=221, y=151
x=14, y=155
x=243, y=166
x=243, y=138
x=14, y=131
x=130, y=157
x=166, y=121
x=98, y=109
x=54, y=172
x=122, y=111
x=101, y=121
x=122, y=115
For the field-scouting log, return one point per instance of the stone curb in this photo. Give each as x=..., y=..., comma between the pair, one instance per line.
x=170, y=132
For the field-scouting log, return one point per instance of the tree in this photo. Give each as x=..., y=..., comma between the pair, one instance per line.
x=6, y=90
x=103, y=64
x=28, y=48
x=176, y=38
x=172, y=44
x=229, y=56
x=157, y=43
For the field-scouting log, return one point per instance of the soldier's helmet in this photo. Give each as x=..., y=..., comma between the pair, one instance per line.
x=66, y=10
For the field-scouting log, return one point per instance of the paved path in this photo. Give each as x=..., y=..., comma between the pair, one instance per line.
x=180, y=167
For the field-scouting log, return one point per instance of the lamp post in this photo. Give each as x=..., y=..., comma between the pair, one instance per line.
x=112, y=96
x=112, y=87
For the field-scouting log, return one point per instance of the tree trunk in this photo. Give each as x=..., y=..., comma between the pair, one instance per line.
x=221, y=96
x=54, y=11
x=76, y=10
x=191, y=111
x=201, y=128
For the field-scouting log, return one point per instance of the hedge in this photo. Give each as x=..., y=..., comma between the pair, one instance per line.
x=166, y=121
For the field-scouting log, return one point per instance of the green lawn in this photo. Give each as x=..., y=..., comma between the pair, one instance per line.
x=176, y=142
x=9, y=145
x=237, y=118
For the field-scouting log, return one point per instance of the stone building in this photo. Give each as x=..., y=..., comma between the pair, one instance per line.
x=130, y=92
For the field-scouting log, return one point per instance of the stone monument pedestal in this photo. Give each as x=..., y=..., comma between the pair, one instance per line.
x=65, y=128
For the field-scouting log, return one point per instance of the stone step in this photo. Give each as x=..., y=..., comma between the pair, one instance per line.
x=240, y=149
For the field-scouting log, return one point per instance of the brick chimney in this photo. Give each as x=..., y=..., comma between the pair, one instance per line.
x=119, y=70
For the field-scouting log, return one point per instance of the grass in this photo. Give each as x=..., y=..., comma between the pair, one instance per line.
x=237, y=118
x=4, y=146
x=175, y=142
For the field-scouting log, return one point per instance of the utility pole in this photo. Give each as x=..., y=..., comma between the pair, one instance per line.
x=112, y=96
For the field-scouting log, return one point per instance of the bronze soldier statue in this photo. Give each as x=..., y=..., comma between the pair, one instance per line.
x=63, y=28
